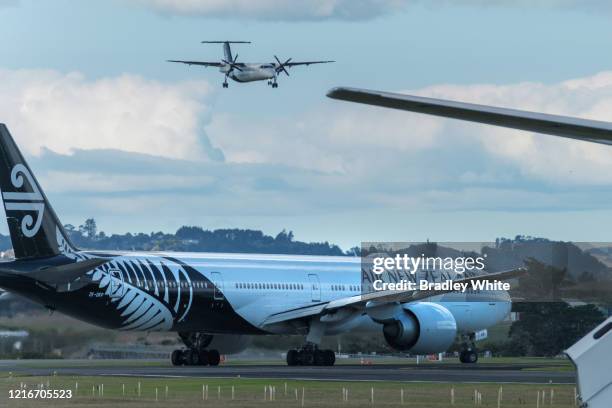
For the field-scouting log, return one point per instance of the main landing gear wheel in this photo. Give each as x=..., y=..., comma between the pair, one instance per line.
x=225, y=85
x=468, y=354
x=203, y=357
x=292, y=358
x=195, y=358
x=177, y=357
x=191, y=357
x=197, y=352
x=214, y=358
x=310, y=356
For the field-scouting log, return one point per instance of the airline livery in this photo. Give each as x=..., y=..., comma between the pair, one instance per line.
x=215, y=301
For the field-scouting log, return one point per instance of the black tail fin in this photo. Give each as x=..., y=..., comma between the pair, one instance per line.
x=35, y=229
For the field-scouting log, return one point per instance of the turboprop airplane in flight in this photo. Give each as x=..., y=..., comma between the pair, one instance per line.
x=215, y=301
x=248, y=72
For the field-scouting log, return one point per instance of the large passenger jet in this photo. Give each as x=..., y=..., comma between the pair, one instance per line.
x=215, y=300
x=248, y=72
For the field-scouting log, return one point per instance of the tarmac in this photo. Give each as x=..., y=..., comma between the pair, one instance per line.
x=448, y=372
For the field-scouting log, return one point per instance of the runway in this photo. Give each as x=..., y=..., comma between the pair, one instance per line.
x=452, y=373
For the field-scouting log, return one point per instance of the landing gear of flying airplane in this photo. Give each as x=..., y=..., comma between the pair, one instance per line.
x=468, y=353
x=310, y=355
x=225, y=84
x=196, y=352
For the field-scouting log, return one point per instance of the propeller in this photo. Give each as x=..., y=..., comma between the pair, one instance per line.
x=281, y=65
x=233, y=64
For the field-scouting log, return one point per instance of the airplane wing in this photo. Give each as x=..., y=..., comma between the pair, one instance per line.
x=279, y=68
x=203, y=63
x=565, y=126
x=389, y=296
x=293, y=64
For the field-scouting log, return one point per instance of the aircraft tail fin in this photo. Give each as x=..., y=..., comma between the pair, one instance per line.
x=227, y=51
x=35, y=230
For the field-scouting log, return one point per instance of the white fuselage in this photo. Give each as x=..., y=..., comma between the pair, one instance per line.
x=250, y=72
x=251, y=288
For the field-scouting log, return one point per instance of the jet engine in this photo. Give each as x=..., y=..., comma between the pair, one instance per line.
x=421, y=328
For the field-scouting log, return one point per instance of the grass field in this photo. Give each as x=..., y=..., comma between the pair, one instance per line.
x=115, y=392
x=192, y=392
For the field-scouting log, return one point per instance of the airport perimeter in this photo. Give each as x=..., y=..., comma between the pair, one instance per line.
x=507, y=382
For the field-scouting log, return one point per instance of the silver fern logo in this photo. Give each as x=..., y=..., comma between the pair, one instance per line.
x=139, y=310
x=25, y=201
x=150, y=293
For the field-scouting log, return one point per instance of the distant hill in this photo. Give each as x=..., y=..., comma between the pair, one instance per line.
x=197, y=239
x=510, y=253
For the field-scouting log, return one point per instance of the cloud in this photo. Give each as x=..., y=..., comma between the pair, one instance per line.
x=279, y=9
x=141, y=155
x=552, y=159
x=314, y=10
x=369, y=143
x=63, y=112
x=141, y=187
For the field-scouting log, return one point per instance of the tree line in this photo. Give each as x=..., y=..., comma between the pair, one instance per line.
x=198, y=239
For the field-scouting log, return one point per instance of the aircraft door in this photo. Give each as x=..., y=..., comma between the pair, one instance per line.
x=116, y=285
x=217, y=280
x=315, y=287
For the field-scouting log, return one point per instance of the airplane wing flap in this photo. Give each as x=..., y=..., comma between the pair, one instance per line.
x=295, y=314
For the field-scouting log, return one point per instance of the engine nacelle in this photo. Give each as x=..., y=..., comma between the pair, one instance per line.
x=229, y=343
x=421, y=328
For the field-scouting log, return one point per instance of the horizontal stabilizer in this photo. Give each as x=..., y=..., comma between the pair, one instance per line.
x=224, y=42
x=56, y=275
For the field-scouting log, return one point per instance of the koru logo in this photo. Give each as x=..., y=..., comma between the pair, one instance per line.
x=25, y=201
